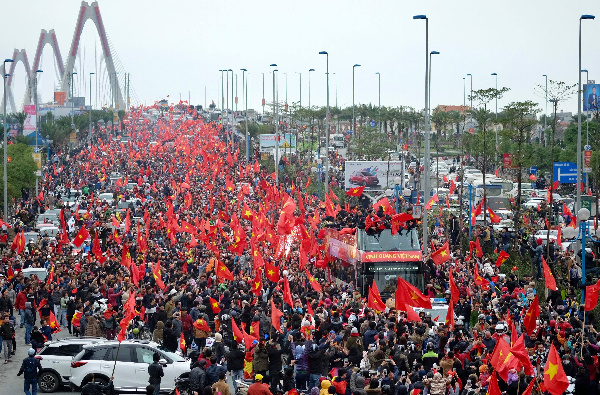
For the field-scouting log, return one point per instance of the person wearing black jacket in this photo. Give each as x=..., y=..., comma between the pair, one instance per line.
x=275, y=364
x=169, y=337
x=235, y=363
x=155, y=371
x=315, y=364
x=31, y=367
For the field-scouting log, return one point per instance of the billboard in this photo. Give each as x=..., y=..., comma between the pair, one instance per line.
x=60, y=98
x=374, y=175
x=29, y=124
x=591, y=94
x=286, y=141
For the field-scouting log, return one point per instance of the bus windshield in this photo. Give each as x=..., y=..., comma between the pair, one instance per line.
x=404, y=240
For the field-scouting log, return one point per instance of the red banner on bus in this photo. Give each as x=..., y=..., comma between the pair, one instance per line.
x=392, y=256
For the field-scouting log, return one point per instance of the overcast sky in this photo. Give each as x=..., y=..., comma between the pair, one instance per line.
x=172, y=47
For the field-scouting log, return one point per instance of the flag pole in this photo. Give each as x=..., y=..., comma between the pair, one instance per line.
x=582, y=334
x=116, y=357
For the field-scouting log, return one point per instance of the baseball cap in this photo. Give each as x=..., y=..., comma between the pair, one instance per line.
x=258, y=377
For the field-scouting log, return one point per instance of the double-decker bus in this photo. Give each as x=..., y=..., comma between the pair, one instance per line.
x=380, y=256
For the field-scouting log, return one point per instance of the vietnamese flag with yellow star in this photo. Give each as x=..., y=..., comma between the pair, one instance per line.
x=501, y=357
x=313, y=282
x=591, y=296
x=223, y=272
x=548, y=276
x=214, y=305
x=406, y=293
x=385, y=204
x=532, y=314
x=555, y=378
x=442, y=255
x=237, y=333
x=82, y=235
x=256, y=284
x=355, y=191
x=272, y=272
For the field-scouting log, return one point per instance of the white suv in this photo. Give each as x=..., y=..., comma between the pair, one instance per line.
x=55, y=359
x=131, y=369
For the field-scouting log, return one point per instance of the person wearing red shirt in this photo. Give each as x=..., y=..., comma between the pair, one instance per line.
x=20, y=305
x=258, y=388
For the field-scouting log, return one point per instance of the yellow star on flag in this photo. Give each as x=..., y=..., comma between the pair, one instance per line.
x=413, y=295
x=257, y=285
x=443, y=253
x=215, y=304
x=271, y=272
x=552, y=370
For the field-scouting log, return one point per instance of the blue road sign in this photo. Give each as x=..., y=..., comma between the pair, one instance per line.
x=533, y=170
x=566, y=172
x=372, y=124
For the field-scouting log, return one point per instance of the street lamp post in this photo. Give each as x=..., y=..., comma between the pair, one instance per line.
x=37, y=149
x=464, y=92
x=5, y=143
x=587, y=131
x=90, y=129
x=222, y=93
x=300, y=73
x=73, y=99
x=326, y=126
x=318, y=170
x=496, y=126
x=578, y=189
x=379, y=101
x=546, y=113
x=353, y=117
x=232, y=107
x=245, y=94
x=471, y=100
x=263, y=96
x=427, y=131
x=430, y=67
x=276, y=118
x=309, y=70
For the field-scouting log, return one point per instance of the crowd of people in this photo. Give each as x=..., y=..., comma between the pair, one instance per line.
x=214, y=252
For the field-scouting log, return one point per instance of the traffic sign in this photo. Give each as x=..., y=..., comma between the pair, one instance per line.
x=533, y=170
x=372, y=124
x=566, y=172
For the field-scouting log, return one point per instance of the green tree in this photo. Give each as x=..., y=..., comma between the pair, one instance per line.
x=20, y=170
x=372, y=145
x=519, y=119
x=484, y=117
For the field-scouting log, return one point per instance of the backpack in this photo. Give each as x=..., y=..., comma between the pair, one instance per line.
x=30, y=365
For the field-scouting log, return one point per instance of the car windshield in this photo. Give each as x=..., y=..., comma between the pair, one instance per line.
x=404, y=240
x=172, y=356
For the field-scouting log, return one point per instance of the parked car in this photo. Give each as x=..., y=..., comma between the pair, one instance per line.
x=56, y=357
x=364, y=178
x=131, y=369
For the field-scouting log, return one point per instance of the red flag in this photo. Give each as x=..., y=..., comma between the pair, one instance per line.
x=454, y=292
x=406, y=293
x=493, y=388
x=237, y=333
x=555, y=185
x=385, y=203
x=223, y=272
x=450, y=316
x=182, y=342
x=81, y=237
x=374, y=300
x=433, y=199
x=355, y=191
x=494, y=218
x=411, y=314
x=201, y=325
x=591, y=296
x=555, y=378
x=333, y=196
x=272, y=272
x=529, y=389
x=442, y=255
x=313, y=282
x=214, y=305
x=53, y=323
x=127, y=222
x=257, y=284
x=157, y=276
x=287, y=294
x=532, y=314
x=276, y=315
x=478, y=248
x=10, y=273
x=502, y=257
x=501, y=358
x=520, y=352
x=478, y=279
x=550, y=281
